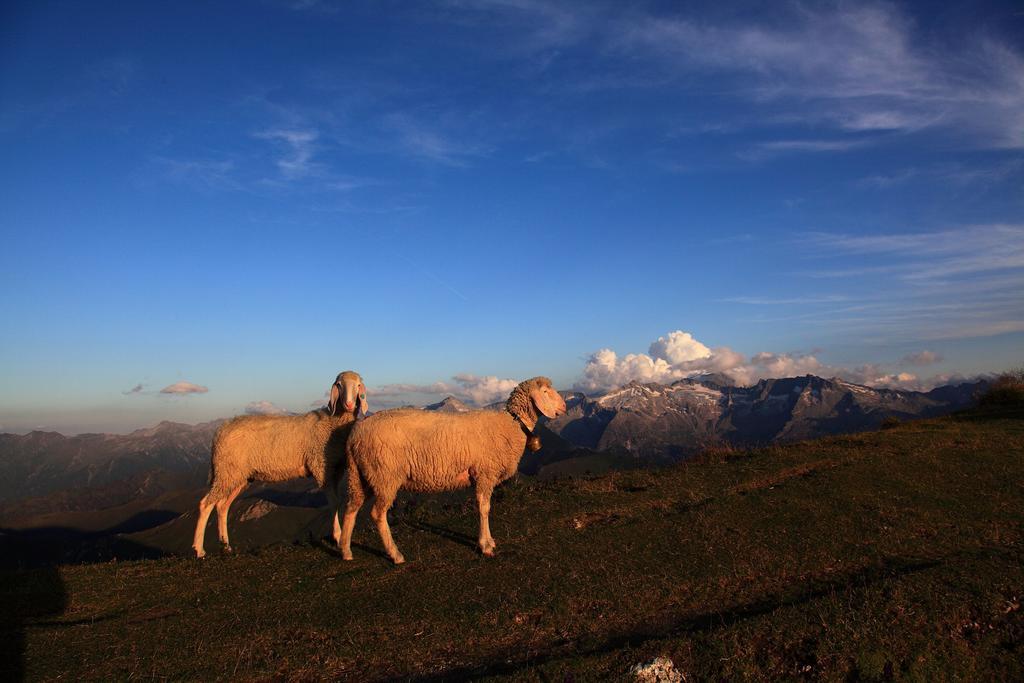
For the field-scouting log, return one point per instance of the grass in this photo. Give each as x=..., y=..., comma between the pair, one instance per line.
x=888, y=555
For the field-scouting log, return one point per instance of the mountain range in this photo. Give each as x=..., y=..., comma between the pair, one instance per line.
x=634, y=425
x=47, y=471
x=667, y=423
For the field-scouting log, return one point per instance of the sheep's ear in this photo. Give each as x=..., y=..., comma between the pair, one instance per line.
x=335, y=395
x=363, y=406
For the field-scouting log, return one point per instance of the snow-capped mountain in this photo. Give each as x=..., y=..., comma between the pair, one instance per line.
x=670, y=422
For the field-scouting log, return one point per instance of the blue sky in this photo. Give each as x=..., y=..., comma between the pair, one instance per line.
x=450, y=196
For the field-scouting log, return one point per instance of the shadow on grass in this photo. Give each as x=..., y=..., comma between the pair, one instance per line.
x=657, y=627
x=445, y=533
x=325, y=544
x=27, y=596
x=292, y=499
x=38, y=546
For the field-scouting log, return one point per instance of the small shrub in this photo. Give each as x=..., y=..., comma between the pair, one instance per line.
x=1005, y=390
x=890, y=422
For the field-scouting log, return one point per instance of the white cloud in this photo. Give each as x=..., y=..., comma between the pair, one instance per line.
x=476, y=389
x=764, y=365
x=264, y=408
x=678, y=347
x=183, y=388
x=606, y=370
x=673, y=356
x=486, y=389
x=899, y=380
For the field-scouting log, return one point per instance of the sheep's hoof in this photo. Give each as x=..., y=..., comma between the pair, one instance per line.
x=200, y=555
x=398, y=559
x=347, y=557
x=487, y=552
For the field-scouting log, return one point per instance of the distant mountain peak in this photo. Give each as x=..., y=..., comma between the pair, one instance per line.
x=449, y=404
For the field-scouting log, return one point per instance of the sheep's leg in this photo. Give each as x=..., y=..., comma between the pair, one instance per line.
x=379, y=512
x=222, y=516
x=205, y=508
x=483, y=501
x=333, y=506
x=356, y=496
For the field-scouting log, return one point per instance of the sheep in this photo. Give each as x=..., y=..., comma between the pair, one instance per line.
x=425, y=451
x=277, y=448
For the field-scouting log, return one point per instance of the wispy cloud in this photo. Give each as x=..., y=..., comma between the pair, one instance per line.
x=771, y=148
x=298, y=146
x=137, y=389
x=419, y=139
x=933, y=255
x=545, y=26
x=858, y=68
x=948, y=284
x=791, y=301
x=957, y=174
x=208, y=174
x=921, y=358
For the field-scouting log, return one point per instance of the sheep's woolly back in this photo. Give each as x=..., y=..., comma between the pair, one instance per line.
x=426, y=451
x=521, y=405
x=278, y=448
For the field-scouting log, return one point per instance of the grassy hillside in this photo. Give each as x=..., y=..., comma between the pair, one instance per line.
x=893, y=554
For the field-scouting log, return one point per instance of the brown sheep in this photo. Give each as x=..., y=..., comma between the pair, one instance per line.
x=277, y=448
x=425, y=451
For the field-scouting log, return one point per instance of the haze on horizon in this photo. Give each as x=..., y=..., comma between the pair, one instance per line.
x=209, y=210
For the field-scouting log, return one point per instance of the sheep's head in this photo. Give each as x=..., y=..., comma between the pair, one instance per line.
x=546, y=400
x=532, y=397
x=347, y=391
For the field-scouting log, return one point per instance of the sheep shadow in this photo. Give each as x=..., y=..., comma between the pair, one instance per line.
x=325, y=544
x=29, y=597
x=443, y=532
